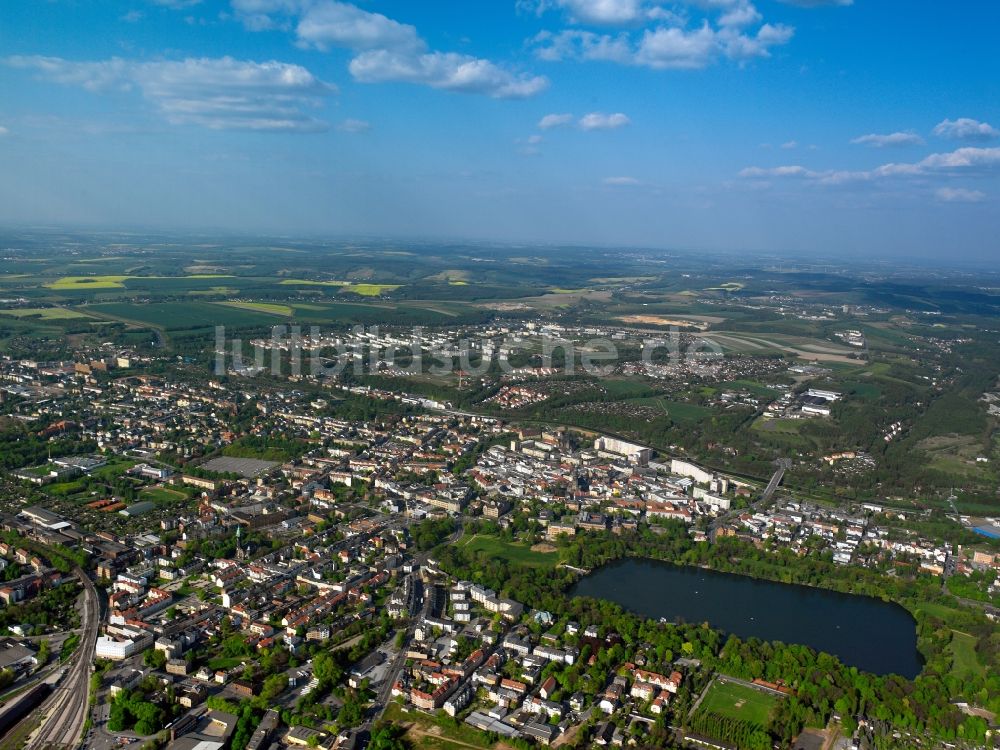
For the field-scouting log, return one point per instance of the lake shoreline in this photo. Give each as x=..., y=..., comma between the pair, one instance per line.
x=870, y=633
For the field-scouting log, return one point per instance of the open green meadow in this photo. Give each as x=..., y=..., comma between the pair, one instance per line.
x=513, y=551
x=963, y=655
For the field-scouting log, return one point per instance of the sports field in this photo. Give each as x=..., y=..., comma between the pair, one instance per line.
x=737, y=701
x=161, y=495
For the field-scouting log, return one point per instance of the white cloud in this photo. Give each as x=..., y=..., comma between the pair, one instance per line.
x=741, y=14
x=945, y=164
x=788, y=145
x=664, y=47
x=351, y=125
x=602, y=121
x=133, y=16
x=588, y=122
x=93, y=76
x=555, y=121
x=529, y=146
x=786, y=171
x=621, y=181
x=602, y=12
x=966, y=129
x=884, y=140
x=583, y=45
x=217, y=93
x=964, y=158
x=385, y=50
x=3, y=131
x=445, y=70
x=676, y=48
x=176, y=4
x=335, y=24
x=959, y=195
x=818, y=3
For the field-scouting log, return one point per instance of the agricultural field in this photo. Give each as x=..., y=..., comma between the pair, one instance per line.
x=271, y=308
x=87, y=283
x=45, y=313
x=370, y=290
x=112, y=281
x=181, y=315
x=803, y=347
x=312, y=282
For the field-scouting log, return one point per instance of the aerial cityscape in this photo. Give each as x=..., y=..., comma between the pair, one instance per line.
x=502, y=375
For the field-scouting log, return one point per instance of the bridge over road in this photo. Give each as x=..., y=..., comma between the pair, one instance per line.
x=783, y=465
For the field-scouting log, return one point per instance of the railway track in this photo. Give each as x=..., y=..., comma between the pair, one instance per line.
x=64, y=712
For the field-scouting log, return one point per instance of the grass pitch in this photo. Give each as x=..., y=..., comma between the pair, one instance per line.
x=738, y=701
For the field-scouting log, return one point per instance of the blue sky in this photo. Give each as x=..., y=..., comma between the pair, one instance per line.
x=803, y=126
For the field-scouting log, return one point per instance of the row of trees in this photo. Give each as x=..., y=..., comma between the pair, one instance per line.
x=744, y=735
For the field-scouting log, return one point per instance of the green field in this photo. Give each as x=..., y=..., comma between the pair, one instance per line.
x=116, y=281
x=424, y=731
x=782, y=426
x=311, y=282
x=518, y=553
x=370, y=290
x=679, y=411
x=180, y=315
x=348, y=287
x=265, y=307
x=963, y=655
x=113, y=469
x=161, y=495
x=45, y=313
x=738, y=701
x=760, y=390
x=380, y=312
x=87, y=282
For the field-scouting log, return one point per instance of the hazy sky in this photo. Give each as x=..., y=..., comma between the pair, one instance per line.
x=805, y=125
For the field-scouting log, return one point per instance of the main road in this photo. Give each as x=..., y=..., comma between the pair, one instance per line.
x=384, y=694
x=64, y=712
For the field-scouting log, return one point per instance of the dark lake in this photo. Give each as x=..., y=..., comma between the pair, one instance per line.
x=866, y=633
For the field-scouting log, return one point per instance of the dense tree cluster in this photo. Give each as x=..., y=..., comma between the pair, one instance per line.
x=130, y=710
x=431, y=532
